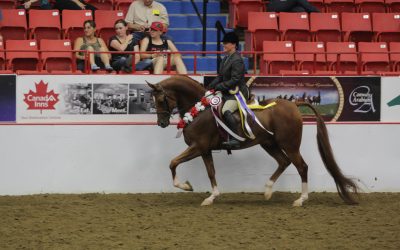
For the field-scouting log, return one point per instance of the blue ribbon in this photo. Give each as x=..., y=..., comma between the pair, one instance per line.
x=243, y=104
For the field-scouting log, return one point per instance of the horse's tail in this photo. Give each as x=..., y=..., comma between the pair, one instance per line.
x=344, y=185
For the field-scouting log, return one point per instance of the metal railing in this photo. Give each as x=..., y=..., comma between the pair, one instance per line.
x=203, y=21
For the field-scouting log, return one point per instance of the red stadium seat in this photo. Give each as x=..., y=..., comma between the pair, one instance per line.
x=263, y=26
x=293, y=72
x=281, y=58
x=319, y=4
x=22, y=55
x=386, y=27
x=44, y=24
x=311, y=61
x=374, y=57
x=294, y=26
x=13, y=26
x=393, y=5
x=122, y=5
x=394, y=48
x=105, y=20
x=357, y=27
x=239, y=9
x=72, y=22
x=371, y=6
x=7, y=4
x=340, y=6
x=325, y=27
x=2, y=57
x=101, y=4
x=342, y=57
x=54, y=58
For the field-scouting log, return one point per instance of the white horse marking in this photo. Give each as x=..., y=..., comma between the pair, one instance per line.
x=268, y=189
x=303, y=196
x=208, y=201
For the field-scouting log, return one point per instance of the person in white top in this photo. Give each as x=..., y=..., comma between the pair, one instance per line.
x=142, y=13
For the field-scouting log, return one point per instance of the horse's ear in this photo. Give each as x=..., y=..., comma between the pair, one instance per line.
x=153, y=86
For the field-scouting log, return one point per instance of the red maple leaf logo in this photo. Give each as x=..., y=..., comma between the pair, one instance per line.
x=41, y=99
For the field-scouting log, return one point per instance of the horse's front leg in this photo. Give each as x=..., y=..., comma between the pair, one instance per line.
x=187, y=155
x=208, y=161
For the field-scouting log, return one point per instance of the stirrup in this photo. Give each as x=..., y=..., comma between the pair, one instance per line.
x=232, y=143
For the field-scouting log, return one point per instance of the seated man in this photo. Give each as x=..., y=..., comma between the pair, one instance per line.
x=142, y=13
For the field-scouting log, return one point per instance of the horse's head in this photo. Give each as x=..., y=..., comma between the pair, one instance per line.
x=165, y=102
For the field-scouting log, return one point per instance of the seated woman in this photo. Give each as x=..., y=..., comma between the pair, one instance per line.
x=123, y=42
x=92, y=43
x=155, y=43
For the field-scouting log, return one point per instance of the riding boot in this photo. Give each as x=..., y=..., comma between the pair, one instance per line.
x=232, y=124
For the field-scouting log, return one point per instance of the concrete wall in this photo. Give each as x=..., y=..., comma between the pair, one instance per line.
x=77, y=159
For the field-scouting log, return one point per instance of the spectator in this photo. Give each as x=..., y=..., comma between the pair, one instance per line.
x=290, y=6
x=43, y=4
x=92, y=43
x=155, y=43
x=73, y=5
x=142, y=13
x=123, y=42
x=1, y=38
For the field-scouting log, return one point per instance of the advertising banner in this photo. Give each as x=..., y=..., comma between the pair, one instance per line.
x=336, y=98
x=390, y=99
x=7, y=98
x=86, y=98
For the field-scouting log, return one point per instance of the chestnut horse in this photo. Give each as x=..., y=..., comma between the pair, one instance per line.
x=284, y=120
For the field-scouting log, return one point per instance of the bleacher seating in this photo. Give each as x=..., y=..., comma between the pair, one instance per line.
x=2, y=57
x=357, y=27
x=14, y=24
x=105, y=20
x=392, y=6
x=370, y=6
x=57, y=56
x=22, y=56
x=7, y=4
x=342, y=57
x=386, y=27
x=238, y=11
x=394, y=56
x=72, y=23
x=279, y=56
x=44, y=24
x=374, y=57
x=263, y=26
x=325, y=27
x=101, y=4
x=339, y=6
x=122, y=5
x=308, y=61
x=294, y=26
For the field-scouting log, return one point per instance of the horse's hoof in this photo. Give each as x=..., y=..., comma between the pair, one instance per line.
x=187, y=186
x=298, y=203
x=207, y=202
x=267, y=196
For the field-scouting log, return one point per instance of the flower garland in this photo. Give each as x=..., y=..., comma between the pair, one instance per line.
x=194, y=111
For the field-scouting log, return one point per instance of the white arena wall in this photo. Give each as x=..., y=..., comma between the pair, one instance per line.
x=123, y=158
x=135, y=159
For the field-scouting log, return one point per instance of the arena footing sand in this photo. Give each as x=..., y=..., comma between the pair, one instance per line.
x=177, y=221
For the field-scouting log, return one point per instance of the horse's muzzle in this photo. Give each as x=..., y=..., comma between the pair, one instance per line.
x=163, y=124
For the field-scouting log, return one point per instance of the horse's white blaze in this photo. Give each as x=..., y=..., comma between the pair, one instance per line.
x=303, y=196
x=208, y=201
x=268, y=189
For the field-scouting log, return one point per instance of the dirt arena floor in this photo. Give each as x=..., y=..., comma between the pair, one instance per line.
x=176, y=221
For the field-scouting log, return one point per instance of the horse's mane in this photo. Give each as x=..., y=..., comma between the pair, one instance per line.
x=183, y=83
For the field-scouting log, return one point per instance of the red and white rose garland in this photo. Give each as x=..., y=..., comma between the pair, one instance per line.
x=194, y=111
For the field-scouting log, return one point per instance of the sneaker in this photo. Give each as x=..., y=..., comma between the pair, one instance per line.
x=109, y=68
x=94, y=67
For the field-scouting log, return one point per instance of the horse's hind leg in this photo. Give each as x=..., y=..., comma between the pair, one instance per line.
x=187, y=155
x=302, y=168
x=208, y=161
x=283, y=163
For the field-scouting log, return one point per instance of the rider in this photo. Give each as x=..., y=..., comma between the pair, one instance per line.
x=230, y=79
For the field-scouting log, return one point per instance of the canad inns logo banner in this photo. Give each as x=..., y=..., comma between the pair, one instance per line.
x=86, y=98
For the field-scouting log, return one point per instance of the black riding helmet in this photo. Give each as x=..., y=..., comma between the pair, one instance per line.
x=231, y=37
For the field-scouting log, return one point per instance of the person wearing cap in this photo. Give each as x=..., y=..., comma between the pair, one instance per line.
x=142, y=13
x=230, y=79
x=156, y=43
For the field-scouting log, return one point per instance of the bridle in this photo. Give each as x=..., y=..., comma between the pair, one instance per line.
x=165, y=105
